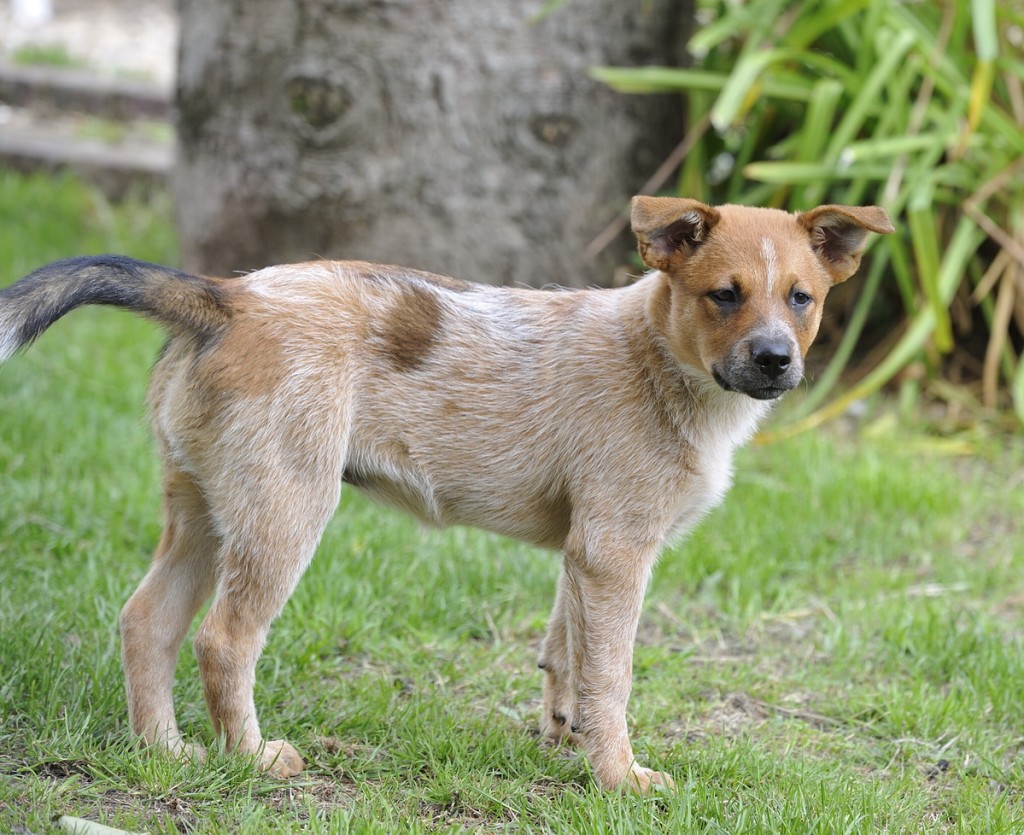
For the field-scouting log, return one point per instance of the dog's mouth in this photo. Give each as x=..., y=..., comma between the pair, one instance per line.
x=767, y=393
x=758, y=392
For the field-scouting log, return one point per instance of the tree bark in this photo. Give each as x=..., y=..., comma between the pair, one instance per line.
x=458, y=136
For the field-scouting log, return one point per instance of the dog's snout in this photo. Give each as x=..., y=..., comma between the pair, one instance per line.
x=772, y=357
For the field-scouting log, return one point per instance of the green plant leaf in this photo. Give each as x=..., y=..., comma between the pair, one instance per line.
x=983, y=19
x=923, y=237
x=809, y=27
x=811, y=172
x=674, y=79
x=744, y=85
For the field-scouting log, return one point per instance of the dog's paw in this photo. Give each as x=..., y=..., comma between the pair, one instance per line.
x=280, y=759
x=646, y=780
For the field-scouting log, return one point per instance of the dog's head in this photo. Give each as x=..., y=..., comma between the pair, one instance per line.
x=745, y=287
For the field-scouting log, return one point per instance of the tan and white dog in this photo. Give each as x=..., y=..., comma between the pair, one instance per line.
x=599, y=423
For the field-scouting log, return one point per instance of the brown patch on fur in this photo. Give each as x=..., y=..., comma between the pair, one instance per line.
x=245, y=361
x=410, y=327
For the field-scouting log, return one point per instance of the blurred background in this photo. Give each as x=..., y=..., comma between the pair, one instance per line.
x=501, y=142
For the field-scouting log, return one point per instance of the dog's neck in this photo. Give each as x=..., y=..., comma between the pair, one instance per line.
x=702, y=411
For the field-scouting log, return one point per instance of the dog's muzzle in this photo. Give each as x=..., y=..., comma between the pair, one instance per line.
x=762, y=367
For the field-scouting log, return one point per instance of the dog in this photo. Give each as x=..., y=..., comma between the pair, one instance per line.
x=598, y=423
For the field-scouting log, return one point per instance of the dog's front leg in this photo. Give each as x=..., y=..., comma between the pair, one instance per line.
x=601, y=594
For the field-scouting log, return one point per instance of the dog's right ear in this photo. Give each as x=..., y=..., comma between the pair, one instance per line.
x=667, y=227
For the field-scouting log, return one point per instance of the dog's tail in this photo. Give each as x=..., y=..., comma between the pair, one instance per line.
x=181, y=302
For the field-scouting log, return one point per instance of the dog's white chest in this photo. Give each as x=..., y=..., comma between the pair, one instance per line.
x=715, y=448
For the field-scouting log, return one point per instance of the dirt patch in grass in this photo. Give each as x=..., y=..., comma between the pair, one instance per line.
x=112, y=802
x=737, y=714
x=182, y=815
x=312, y=797
x=303, y=799
x=462, y=813
x=734, y=715
x=107, y=805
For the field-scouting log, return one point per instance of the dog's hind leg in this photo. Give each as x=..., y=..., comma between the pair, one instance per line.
x=156, y=618
x=272, y=507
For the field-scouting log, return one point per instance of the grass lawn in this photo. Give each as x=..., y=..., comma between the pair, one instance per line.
x=837, y=649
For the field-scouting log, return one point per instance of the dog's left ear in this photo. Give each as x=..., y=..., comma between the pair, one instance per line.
x=838, y=234
x=666, y=227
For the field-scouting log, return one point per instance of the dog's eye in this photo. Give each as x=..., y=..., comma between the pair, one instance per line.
x=727, y=295
x=800, y=299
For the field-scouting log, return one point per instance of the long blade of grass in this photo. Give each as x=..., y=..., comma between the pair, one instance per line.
x=658, y=79
x=893, y=146
x=903, y=272
x=753, y=21
x=814, y=132
x=810, y=27
x=750, y=74
x=924, y=240
x=742, y=87
x=674, y=79
x=981, y=89
x=790, y=173
x=692, y=180
x=983, y=20
x=718, y=31
x=818, y=121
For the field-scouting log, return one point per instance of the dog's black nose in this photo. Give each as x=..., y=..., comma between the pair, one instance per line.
x=771, y=357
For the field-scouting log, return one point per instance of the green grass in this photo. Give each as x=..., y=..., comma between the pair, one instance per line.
x=837, y=648
x=46, y=55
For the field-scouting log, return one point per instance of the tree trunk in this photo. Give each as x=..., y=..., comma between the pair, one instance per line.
x=459, y=136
